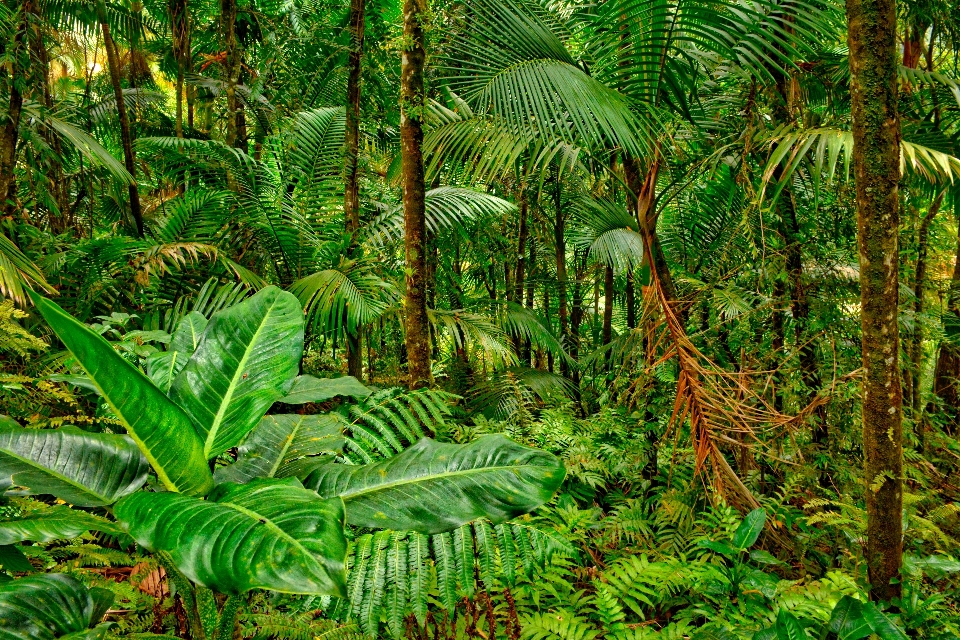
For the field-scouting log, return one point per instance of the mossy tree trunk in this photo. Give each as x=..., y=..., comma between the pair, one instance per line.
x=915, y=347
x=12, y=82
x=351, y=197
x=871, y=38
x=948, y=362
x=412, y=101
x=228, y=31
x=126, y=137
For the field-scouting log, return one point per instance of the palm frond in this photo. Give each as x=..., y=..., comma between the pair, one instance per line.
x=18, y=272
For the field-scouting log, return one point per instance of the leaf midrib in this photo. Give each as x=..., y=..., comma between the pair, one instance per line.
x=75, y=326
x=440, y=476
x=269, y=523
x=288, y=442
x=234, y=383
x=36, y=465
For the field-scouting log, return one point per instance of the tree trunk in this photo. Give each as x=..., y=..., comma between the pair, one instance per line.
x=576, y=314
x=948, y=362
x=126, y=138
x=521, y=270
x=10, y=133
x=643, y=199
x=180, y=34
x=351, y=196
x=412, y=101
x=871, y=37
x=629, y=300
x=228, y=28
x=607, y=306
x=519, y=345
x=560, y=254
x=915, y=349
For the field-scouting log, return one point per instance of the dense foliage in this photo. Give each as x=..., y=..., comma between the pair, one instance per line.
x=489, y=319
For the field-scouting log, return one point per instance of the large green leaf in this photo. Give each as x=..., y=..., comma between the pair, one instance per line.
x=279, y=445
x=56, y=523
x=160, y=428
x=847, y=620
x=50, y=606
x=247, y=360
x=433, y=487
x=881, y=623
x=85, y=469
x=309, y=389
x=268, y=534
x=163, y=367
x=749, y=530
x=186, y=337
x=12, y=559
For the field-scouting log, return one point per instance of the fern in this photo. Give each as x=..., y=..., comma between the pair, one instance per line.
x=386, y=422
x=396, y=574
x=560, y=625
x=284, y=626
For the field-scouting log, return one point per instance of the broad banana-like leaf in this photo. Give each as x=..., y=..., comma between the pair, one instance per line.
x=186, y=337
x=160, y=428
x=309, y=389
x=56, y=523
x=279, y=442
x=85, y=469
x=164, y=367
x=434, y=487
x=246, y=361
x=12, y=559
x=268, y=534
x=50, y=606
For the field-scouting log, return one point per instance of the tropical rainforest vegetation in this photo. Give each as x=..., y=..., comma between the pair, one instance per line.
x=522, y=319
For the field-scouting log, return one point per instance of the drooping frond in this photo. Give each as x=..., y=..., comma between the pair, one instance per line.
x=514, y=393
x=388, y=421
x=18, y=272
x=523, y=324
x=829, y=149
x=486, y=147
x=463, y=327
x=395, y=574
x=197, y=215
x=514, y=61
x=83, y=142
x=314, y=161
x=446, y=208
x=343, y=298
x=608, y=232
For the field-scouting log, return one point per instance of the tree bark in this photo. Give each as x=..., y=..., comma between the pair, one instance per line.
x=629, y=300
x=915, y=349
x=228, y=28
x=560, y=255
x=522, y=235
x=126, y=138
x=10, y=132
x=871, y=38
x=643, y=200
x=180, y=33
x=351, y=196
x=948, y=362
x=412, y=101
x=607, y=334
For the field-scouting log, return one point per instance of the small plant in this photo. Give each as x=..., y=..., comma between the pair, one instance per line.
x=272, y=519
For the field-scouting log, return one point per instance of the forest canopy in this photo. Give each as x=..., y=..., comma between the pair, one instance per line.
x=523, y=319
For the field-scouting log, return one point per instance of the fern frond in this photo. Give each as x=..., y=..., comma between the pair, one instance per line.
x=394, y=574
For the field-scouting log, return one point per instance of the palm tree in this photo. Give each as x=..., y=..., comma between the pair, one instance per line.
x=872, y=34
x=412, y=103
